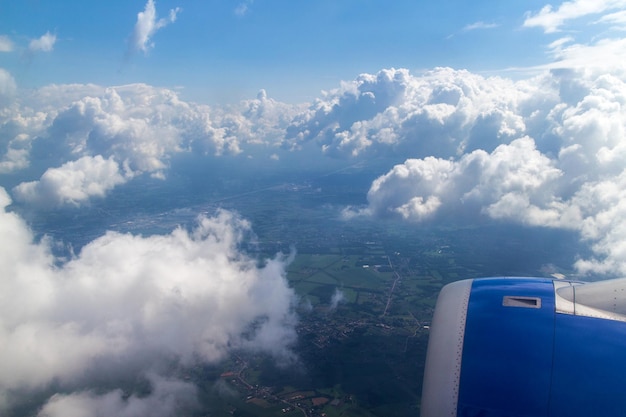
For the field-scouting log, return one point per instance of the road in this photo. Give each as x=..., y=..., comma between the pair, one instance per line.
x=393, y=287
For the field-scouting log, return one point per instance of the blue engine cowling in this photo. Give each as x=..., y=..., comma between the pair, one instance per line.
x=523, y=347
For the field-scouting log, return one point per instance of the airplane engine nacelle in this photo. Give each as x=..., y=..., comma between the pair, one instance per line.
x=527, y=347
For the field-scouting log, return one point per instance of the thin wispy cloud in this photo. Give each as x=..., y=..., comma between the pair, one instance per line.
x=148, y=24
x=574, y=51
x=559, y=43
x=479, y=26
x=552, y=20
x=6, y=45
x=617, y=18
x=606, y=53
x=243, y=8
x=7, y=87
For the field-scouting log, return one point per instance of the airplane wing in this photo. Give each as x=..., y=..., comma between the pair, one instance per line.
x=528, y=347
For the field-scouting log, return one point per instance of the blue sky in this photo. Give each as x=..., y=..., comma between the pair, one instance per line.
x=223, y=51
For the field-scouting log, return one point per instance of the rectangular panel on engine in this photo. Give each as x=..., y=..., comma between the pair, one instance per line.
x=507, y=350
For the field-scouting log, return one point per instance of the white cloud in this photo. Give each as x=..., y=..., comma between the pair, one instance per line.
x=561, y=166
x=138, y=125
x=141, y=128
x=74, y=183
x=44, y=44
x=393, y=112
x=604, y=225
x=420, y=188
x=603, y=55
x=132, y=123
x=599, y=53
x=453, y=126
x=127, y=304
x=617, y=18
x=551, y=19
x=243, y=8
x=7, y=83
x=6, y=45
x=480, y=25
x=558, y=44
x=169, y=397
x=148, y=24
x=13, y=160
x=338, y=297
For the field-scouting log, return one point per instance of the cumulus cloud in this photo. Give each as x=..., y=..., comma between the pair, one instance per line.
x=392, y=112
x=14, y=159
x=74, y=183
x=130, y=304
x=255, y=126
x=138, y=126
x=132, y=123
x=6, y=45
x=147, y=25
x=562, y=167
x=63, y=132
x=44, y=44
x=515, y=173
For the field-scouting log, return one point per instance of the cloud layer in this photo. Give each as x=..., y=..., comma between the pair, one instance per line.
x=532, y=151
x=168, y=398
x=559, y=162
x=85, y=139
x=130, y=304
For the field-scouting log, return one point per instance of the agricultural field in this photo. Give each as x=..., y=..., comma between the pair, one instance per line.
x=365, y=310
